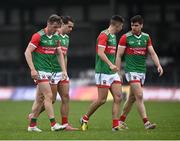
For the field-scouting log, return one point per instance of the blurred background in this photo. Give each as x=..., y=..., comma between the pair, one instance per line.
x=19, y=19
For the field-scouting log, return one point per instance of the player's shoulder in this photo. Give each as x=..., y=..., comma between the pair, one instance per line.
x=41, y=32
x=145, y=34
x=36, y=35
x=129, y=33
x=125, y=35
x=106, y=32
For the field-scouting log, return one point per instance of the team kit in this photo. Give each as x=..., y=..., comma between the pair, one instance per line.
x=46, y=56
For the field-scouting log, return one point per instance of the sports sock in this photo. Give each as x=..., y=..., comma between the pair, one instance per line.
x=122, y=118
x=33, y=122
x=64, y=120
x=145, y=120
x=53, y=122
x=115, y=123
x=85, y=118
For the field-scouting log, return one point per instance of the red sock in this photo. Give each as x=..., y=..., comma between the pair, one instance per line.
x=85, y=117
x=64, y=120
x=53, y=121
x=115, y=122
x=122, y=118
x=145, y=120
x=33, y=122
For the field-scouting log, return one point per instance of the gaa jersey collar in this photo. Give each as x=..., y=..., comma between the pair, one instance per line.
x=63, y=35
x=137, y=35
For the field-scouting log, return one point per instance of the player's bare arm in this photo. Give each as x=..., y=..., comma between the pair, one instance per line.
x=62, y=62
x=120, y=53
x=28, y=56
x=155, y=60
x=103, y=56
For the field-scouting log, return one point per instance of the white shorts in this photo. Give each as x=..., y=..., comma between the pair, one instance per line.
x=57, y=78
x=51, y=77
x=106, y=80
x=44, y=76
x=133, y=77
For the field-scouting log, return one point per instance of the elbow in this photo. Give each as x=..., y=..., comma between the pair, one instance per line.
x=25, y=53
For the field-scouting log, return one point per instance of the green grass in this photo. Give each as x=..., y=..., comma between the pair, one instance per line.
x=13, y=123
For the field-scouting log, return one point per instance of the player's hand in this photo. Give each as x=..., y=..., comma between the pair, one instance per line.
x=160, y=70
x=34, y=74
x=114, y=68
x=64, y=75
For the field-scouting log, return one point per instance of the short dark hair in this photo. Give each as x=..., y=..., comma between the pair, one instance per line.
x=54, y=18
x=137, y=18
x=66, y=19
x=116, y=18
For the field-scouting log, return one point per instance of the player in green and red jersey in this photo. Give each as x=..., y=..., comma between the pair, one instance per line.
x=135, y=45
x=57, y=84
x=40, y=53
x=63, y=86
x=106, y=75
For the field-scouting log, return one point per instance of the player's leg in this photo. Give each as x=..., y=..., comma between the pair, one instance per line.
x=45, y=89
x=54, y=94
x=138, y=92
x=116, y=93
x=63, y=89
x=127, y=108
x=54, y=90
x=102, y=96
x=129, y=102
x=38, y=105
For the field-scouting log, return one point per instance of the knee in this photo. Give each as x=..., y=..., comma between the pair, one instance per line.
x=65, y=98
x=132, y=99
x=40, y=100
x=101, y=101
x=139, y=96
x=117, y=98
x=49, y=97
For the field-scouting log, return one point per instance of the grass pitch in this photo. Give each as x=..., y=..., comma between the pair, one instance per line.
x=13, y=122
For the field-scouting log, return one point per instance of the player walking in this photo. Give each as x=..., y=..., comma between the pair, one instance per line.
x=106, y=75
x=135, y=45
x=39, y=54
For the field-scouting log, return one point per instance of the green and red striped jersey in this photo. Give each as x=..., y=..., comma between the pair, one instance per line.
x=46, y=50
x=135, y=51
x=107, y=41
x=64, y=44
